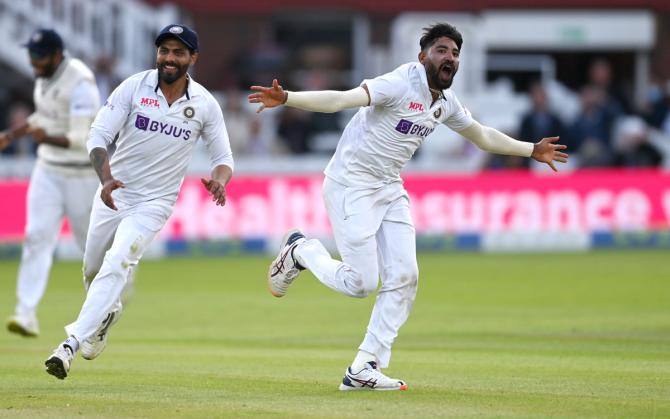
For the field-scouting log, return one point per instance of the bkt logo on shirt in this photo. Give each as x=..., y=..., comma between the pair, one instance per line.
x=410, y=128
x=145, y=124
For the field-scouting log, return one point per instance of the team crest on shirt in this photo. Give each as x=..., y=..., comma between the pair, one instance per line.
x=437, y=113
x=189, y=112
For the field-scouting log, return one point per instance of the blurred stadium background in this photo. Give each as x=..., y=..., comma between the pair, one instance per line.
x=594, y=72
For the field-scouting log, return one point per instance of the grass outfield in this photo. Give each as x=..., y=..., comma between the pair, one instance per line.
x=584, y=335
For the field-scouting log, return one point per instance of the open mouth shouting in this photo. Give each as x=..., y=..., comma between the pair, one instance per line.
x=446, y=71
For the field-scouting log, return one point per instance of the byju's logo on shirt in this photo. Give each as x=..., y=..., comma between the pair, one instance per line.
x=146, y=124
x=410, y=128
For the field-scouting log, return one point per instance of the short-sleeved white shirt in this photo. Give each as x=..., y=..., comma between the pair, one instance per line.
x=155, y=141
x=381, y=138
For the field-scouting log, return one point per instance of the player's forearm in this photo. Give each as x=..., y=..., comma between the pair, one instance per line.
x=222, y=173
x=327, y=101
x=100, y=162
x=60, y=141
x=491, y=140
x=18, y=132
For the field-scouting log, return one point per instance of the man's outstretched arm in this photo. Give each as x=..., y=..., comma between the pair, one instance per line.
x=491, y=140
x=327, y=101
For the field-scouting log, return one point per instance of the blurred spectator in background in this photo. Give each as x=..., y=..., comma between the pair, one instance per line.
x=655, y=106
x=243, y=127
x=538, y=122
x=18, y=117
x=615, y=100
x=631, y=145
x=104, y=76
x=262, y=60
x=589, y=135
x=295, y=130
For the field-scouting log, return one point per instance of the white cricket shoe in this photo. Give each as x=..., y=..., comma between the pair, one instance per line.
x=284, y=269
x=58, y=364
x=24, y=325
x=370, y=378
x=93, y=346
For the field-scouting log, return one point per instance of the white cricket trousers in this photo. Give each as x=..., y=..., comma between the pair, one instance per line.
x=116, y=242
x=52, y=195
x=375, y=235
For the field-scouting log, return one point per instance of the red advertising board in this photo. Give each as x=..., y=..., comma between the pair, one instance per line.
x=263, y=206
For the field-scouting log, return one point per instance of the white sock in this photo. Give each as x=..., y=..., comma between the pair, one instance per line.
x=72, y=343
x=361, y=359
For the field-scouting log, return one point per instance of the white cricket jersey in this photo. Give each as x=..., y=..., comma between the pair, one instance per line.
x=155, y=140
x=381, y=138
x=65, y=105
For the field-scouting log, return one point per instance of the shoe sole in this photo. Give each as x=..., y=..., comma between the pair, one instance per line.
x=349, y=388
x=284, y=241
x=55, y=367
x=15, y=327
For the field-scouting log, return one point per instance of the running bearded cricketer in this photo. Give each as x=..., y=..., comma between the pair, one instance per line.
x=159, y=115
x=364, y=196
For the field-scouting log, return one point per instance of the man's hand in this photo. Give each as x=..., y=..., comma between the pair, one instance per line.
x=5, y=140
x=38, y=134
x=268, y=97
x=546, y=151
x=216, y=189
x=106, y=194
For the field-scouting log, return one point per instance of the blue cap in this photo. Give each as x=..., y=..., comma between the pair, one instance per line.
x=180, y=32
x=44, y=42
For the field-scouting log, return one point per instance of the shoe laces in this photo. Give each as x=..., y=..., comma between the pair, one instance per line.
x=375, y=372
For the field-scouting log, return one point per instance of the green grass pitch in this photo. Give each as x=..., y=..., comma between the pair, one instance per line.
x=564, y=335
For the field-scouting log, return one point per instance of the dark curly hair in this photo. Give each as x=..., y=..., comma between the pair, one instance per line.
x=438, y=30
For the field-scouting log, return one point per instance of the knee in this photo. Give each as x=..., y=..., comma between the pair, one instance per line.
x=406, y=276
x=36, y=237
x=367, y=289
x=89, y=273
x=361, y=285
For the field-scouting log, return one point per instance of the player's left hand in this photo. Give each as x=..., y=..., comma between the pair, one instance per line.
x=268, y=97
x=38, y=134
x=216, y=189
x=547, y=151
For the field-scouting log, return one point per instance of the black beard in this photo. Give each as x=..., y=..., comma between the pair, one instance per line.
x=49, y=70
x=169, y=79
x=434, y=77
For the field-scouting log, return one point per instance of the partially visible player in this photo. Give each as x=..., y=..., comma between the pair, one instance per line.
x=63, y=182
x=366, y=202
x=159, y=115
